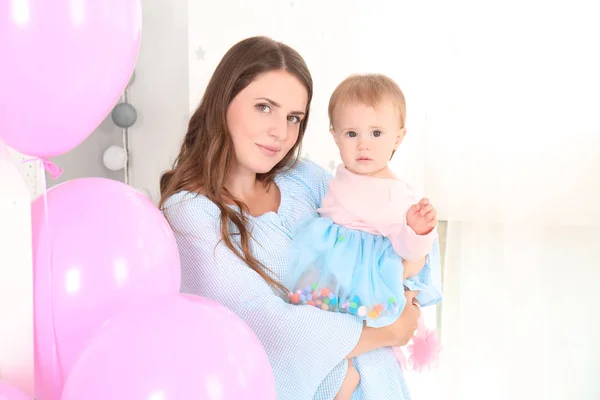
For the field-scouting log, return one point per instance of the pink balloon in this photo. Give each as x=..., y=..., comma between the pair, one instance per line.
x=7, y=392
x=174, y=347
x=110, y=246
x=64, y=66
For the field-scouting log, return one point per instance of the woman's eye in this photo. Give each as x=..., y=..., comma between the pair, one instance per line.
x=294, y=119
x=263, y=108
x=351, y=134
x=377, y=133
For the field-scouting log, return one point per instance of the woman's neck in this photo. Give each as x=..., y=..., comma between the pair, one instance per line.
x=257, y=197
x=242, y=185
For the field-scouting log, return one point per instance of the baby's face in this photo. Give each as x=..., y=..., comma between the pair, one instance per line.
x=367, y=136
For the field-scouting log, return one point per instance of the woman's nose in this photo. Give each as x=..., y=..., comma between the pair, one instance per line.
x=278, y=130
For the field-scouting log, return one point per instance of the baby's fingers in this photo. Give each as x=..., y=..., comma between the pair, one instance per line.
x=431, y=215
x=426, y=210
x=414, y=209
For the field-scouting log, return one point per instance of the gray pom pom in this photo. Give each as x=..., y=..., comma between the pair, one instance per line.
x=124, y=115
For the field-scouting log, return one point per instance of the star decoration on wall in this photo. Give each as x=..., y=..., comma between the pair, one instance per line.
x=331, y=165
x=200, y=53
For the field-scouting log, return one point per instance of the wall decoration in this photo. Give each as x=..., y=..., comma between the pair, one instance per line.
x=114, y=158
x=200, y=53
x=123, y=115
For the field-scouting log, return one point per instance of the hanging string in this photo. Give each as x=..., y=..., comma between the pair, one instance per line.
x=47, y=166
x=125, y=133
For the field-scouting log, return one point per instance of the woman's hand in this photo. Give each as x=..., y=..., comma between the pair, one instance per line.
x=349, y=384
x=396, y=334
x=403, y=329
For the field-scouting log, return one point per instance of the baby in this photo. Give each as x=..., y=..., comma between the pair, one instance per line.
x=373, y=234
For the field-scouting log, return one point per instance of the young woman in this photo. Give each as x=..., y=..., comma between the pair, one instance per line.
x=233, y=198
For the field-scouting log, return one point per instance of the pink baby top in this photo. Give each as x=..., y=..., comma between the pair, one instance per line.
x=378, y=206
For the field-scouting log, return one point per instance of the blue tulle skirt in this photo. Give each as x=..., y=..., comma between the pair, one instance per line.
x=346, y=270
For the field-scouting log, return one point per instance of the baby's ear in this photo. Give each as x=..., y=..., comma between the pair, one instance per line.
x=400, y=138
x=332, y=131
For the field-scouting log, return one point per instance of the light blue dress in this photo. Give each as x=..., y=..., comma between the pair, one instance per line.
x=339, y=269
x=305, y=345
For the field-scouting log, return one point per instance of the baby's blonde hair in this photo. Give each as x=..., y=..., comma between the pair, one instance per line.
x=370, y=90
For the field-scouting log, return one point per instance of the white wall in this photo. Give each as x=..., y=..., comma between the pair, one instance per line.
x=159, y=92
x=516, y=112
x=521, y=318
x=335, y=37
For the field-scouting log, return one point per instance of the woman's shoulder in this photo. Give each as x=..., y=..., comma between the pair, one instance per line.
x=307, y=169
x=307, y=175
x=186, y=207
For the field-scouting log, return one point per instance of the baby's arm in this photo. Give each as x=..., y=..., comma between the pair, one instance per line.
x=350, y=383
x=392, y=222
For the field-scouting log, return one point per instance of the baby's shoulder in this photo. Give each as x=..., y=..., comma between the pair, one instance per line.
x=399, y=189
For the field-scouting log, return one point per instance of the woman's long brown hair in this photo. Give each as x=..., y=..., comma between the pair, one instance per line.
x=206, y=156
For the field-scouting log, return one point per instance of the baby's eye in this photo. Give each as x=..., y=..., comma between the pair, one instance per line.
x=377, y=133
x=264, y=108
x=351, y=134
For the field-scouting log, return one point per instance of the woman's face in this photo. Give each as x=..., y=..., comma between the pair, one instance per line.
x=264, y=120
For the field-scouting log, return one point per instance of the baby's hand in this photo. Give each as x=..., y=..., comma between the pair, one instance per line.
x=422, y=217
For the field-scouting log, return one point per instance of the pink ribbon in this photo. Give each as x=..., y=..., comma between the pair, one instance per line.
x=54, y=170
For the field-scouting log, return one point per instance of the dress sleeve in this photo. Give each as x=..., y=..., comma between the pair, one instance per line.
x=405, y=241
x=305, y=345
x=313, y=177
x=389, y=217
x=429, y=281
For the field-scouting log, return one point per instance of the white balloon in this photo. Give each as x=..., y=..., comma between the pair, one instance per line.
x=114, y=158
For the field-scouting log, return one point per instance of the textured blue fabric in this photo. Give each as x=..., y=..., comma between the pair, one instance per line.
x=346, y=270
x=305, y=345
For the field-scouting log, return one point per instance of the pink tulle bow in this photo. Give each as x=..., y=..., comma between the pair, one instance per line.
x=423, y=352
x=54, y=170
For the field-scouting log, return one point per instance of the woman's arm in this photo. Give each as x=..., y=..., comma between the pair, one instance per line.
x=300, y=341
x=396, y=334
